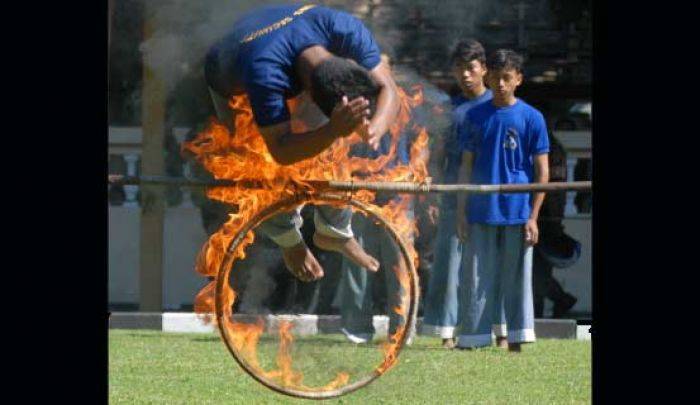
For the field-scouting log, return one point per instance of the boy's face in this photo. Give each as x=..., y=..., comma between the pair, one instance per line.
x=503, y=82
x=469, y=75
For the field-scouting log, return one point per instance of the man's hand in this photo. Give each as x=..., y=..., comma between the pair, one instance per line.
x=347, y=116
x=462, y=228
x=433, y=214
x=532, y=233
x=370, y=135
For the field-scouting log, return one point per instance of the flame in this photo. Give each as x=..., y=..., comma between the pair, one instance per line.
x=391, y=346
x=245, y=337
x=244, y=156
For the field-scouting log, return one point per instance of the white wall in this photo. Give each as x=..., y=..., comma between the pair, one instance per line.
x=184, y=236
x=123, y=247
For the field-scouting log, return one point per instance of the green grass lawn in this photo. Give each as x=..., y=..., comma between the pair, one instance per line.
x=172, y=368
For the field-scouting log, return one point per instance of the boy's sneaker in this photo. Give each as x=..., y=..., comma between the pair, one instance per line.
x=359, y=338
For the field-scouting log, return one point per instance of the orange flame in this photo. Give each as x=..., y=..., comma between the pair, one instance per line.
x=244, y=156
x=391, y=346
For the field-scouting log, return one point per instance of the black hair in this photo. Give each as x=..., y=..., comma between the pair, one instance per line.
x=505, y=59
x=336, y=77
x=468, y=50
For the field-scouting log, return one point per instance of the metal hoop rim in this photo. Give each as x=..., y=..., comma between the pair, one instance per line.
x=287, y=203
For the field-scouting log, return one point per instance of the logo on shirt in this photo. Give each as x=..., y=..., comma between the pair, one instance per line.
x=279, y=24
x=511, y=141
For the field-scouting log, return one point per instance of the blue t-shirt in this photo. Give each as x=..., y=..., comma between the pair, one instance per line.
x=504, y=141
x=258, y=54
x=453, y=151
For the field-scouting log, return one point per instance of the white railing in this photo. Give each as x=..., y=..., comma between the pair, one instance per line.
x=578, y=146
x=183, y=233
x=125, y=144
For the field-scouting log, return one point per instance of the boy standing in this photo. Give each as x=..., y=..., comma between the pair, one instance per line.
x=468, y=69
x=503, y=142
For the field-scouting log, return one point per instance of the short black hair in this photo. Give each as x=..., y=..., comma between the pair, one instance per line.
x=467, y=50
x=504, y=59
x=336, y=77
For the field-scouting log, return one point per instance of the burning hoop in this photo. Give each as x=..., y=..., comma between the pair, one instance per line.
x=407, y=309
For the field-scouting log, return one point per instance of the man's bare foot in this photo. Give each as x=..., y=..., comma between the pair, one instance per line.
x=348, y=248
x=514, y=347
x=502, y=342
x=449, y=343
x=302, y=263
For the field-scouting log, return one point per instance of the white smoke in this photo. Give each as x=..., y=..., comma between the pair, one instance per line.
x=183, y=31
x=257, y=283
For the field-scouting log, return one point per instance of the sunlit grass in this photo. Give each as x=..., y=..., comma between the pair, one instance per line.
x=173, y=368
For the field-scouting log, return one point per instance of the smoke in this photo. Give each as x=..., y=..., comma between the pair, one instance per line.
x=183, y=31
x=255, y=282
x=434, y=114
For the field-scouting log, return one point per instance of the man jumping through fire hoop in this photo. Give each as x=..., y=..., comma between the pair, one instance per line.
x=328, y=60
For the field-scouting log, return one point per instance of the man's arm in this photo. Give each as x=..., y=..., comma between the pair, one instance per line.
x=541, y=176
x=465, y=174
x=289, y=148
x=387, y=105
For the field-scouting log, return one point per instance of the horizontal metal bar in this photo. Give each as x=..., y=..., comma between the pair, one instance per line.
x=397, y=186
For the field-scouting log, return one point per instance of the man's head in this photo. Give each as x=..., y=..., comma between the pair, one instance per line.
x=336, y=77
x=505, y=73
x=468, y=66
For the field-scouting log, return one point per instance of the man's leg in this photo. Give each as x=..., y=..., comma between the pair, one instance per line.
x=500, y=329
x=391, y=257
x=440, y=315
x=478, y=289
x=516, y=284
x=283, y=229
x=334, y=233
x=356, y=289
x=563, y=301
x=541, y=272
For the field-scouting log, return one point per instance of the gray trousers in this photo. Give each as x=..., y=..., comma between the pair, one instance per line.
x=440, y=311
x=496, y=273
x=283, y=228
x=441, y=300
x=358, y=286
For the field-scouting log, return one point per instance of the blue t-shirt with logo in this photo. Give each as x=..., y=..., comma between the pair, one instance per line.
x=504, y=141
x=259, y=52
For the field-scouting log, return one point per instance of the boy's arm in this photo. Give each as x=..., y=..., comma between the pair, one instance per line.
x=541, y=176
x=387, y=106
x=465, y=173
x=288, y=148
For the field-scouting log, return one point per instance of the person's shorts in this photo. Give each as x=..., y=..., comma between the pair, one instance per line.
x=219, y=65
